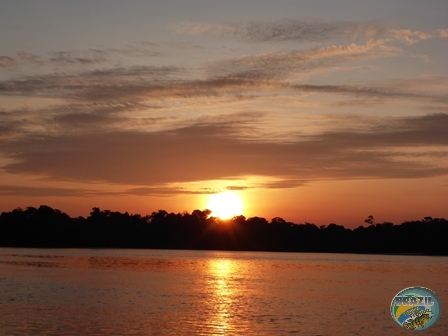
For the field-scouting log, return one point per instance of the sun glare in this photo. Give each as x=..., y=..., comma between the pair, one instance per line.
x=225, y=205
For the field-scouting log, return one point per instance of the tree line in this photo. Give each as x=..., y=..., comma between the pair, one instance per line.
x=48, y=227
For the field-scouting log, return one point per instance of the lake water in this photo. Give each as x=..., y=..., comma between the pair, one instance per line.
x=167, y=292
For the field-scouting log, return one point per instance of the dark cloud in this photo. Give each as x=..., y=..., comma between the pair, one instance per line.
x=278, y=65
x=282, y=184
x=12, y=123
x=246, y=118
x=306, y=30
x=237, y=188
x=244, y=78
x=17, y=190
x=8, y=129
x=76, y=120
x=377, y=93
x=97, y=115
x=436, y=123
x=89, y=88
x=110, y=98
x=240, y=78
x=199, y=153
x=165, y=191
x=146, y=71
x=71, y=58
x=285, y=30
x=9, y=190
x=107, y=84
x=20, y=58
x=139, y=50
x=6, y=61
x=81, y=117
x=96, y=121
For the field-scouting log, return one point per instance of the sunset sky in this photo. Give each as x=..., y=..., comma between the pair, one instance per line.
x=314, y=111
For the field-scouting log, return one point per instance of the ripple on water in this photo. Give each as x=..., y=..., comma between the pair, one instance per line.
x=129, y=292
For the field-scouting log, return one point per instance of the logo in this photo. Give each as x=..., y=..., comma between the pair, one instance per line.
x=416, y=308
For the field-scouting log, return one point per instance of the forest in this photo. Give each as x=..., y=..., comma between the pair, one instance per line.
x=198, y=230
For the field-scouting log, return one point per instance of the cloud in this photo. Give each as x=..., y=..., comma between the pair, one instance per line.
x=95, y=121
x=71, y=58
x=20, y=58
x=55, y=58
x=90, y=116
x=120, y=87
x=431, y=83
x=409, y=36
x=198, y=153
x=82, y=120
x=106, y=84
x=145, y=71
x=239, y=78
x=281, y=184
x=305, y=31
x=6, y=61
x=81, y=117
x=373, y=92
x=278, y=65
x=237, y=187
x=14, y=123
x=128, y=98
x=231, y=77
x=443, y=33
x=87, y=116
x=284, y=30
x=162, y=190
x=12, y=190
x=245, y=118
x=273, y=184
x=136, y=98
x=165, y=191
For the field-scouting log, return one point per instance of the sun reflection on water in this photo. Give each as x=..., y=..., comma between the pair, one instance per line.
x=223, y=295
x=221, y=267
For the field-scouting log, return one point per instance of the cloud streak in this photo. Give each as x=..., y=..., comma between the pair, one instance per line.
x=277, y=65
x=283, y=30
x=373, y=92
x=20, y=58
x=238, y=78
x=13, y=190
x=198, y=153
x=304, y=31
x=80, y=58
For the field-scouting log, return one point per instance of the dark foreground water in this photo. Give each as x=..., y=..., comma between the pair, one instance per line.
x=159, y=292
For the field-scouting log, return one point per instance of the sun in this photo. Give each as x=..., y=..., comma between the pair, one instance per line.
x=225, y=205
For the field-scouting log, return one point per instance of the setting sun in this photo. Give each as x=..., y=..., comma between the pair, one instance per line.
x=225, y=205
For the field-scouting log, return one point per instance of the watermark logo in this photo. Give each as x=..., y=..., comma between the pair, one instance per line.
x=416, y=308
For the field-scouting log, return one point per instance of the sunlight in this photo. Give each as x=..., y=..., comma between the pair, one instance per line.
x=225, y=205
x=223, y=293
x=221, y=267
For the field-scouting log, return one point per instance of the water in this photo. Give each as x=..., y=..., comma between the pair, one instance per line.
x=159, y=292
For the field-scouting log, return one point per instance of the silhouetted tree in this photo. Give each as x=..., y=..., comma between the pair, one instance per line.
x=47, y=227
x=370, y=220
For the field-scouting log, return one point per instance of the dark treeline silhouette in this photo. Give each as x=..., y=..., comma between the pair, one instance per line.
x=47, y=227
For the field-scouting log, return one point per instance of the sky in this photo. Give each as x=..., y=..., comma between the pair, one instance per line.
x=313, y=111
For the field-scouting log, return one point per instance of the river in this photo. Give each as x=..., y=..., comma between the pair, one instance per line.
x=178, y=292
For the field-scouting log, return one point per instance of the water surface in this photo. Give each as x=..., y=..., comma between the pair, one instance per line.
x=166, y=292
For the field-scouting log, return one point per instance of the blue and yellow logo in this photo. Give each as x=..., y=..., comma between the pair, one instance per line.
x=416, y=308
